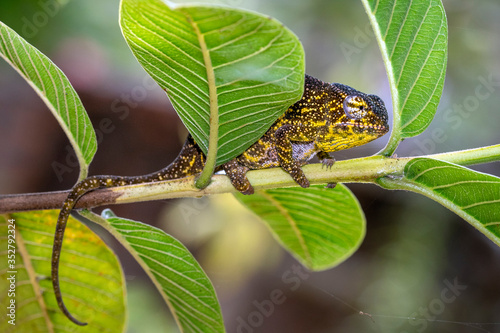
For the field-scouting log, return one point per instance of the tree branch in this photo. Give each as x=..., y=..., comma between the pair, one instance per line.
x=359, y=170
x=362, y=170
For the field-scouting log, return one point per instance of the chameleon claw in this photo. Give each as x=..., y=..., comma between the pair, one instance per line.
x=331, y=185
x=328, y=163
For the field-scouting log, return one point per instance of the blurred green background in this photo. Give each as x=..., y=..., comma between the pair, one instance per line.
x=414, y=249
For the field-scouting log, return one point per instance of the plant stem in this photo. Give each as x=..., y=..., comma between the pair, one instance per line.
x=470, y=156
x=359, y=170
x=204, y=179
x=395, y=138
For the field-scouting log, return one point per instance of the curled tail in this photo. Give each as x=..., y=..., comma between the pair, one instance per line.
x=190, y=160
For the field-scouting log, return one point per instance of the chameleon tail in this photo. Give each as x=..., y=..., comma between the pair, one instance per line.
x=189, y=161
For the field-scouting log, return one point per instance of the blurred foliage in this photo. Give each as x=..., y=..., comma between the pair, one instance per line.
x=233, y=245
x=142, y=301
x=51, y=25
x=400, y=278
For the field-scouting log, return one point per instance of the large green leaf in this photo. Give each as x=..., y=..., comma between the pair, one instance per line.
x=179, y=278
x=91, y=279
x=413, y=38
x=320, y=226
x=229, y=73
x=56, y=91
x=472, y=195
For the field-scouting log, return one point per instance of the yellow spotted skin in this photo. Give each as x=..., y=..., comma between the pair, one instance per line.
x=329, y=117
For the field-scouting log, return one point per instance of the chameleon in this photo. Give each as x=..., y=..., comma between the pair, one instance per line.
x=328, y=118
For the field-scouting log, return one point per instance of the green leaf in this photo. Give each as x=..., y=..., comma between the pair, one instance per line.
x=229, y=73
x=413, y=38
x=320, y=226
x=56, y=91
x=179, y=278
x=474, y=196
x=91, y=278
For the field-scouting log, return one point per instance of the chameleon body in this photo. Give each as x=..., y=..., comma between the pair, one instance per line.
x=328, y=118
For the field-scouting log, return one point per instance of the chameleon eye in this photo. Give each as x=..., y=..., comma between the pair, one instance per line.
x=355, y=107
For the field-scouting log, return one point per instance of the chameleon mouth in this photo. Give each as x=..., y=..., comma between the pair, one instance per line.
x=367, y=127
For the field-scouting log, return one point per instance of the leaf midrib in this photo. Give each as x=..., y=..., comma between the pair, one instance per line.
x=396, y=132
x=292, y=223
x=213, y=138
x=33, y=280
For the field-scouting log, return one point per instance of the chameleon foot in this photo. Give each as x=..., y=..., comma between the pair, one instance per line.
x=298, y=175
x=328, y=162
x=237, y=175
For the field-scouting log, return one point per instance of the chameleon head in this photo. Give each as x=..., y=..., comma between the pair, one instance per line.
x=355, y=118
